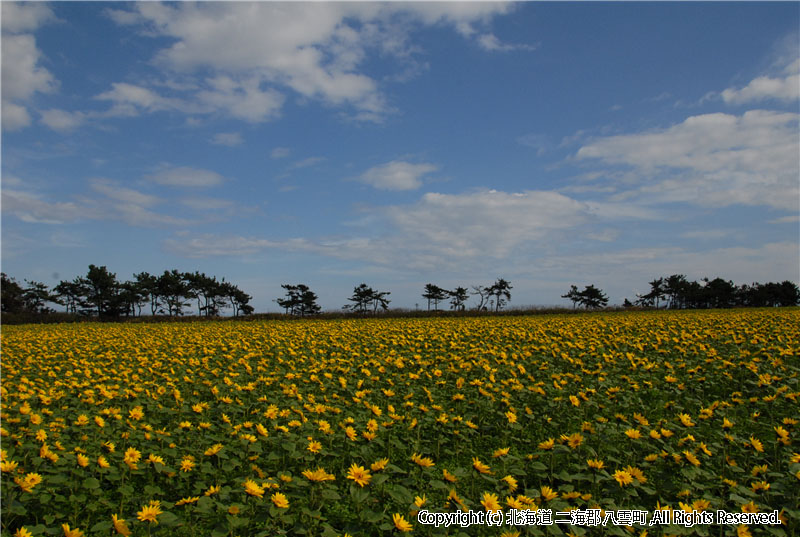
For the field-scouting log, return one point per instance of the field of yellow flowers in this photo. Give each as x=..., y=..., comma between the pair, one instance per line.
x=352, y=426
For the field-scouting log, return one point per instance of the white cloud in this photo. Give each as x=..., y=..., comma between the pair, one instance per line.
x=131, y=100
x=706, y=234
x=711, y=160
x=785, y=220
x=396, y=175
x=783, y=88
x=22, y=76
x=279, y=152
x=306, y=163
x=491, y=43
x=114, y=191
x=243, y=99
x=24, y=16
x=209, y=245
x=116, y=202
x=184, y=176
x=483, y=223
x=207, y=204
x=440, y=231
x=62, y=120
x=29, y=207
x=15, y=116
x=313, y=49
x=229, y=139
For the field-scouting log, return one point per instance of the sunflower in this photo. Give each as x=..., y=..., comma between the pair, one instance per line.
x=120, y=526
x=132, y=456
x=511, y=482
x=490, y=502
x=480, y=467
x=318, y=475
x=401, y=523
x=595, y=464
x=8, y=466
x=756, y=444
x=253, y=489
x=213, y=450
x=425, y=462
x=150, y=512
x=691, y=458
x=280, y=500
x=379, y=465
x=547, y=444
x=686, y=420
x=623, y=478
x=548, y=493
x=71, y=533
x=448, y=476
x=359, y=474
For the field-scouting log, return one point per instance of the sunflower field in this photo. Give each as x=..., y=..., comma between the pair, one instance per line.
x=353, y=426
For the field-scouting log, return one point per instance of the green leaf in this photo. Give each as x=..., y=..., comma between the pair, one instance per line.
x=103, y=525
x=91, y=483
x=169, y=519
x=371, y=516
x=205, y=504
x=330, y=494
x=379, y=479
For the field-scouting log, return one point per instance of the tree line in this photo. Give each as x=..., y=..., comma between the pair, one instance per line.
x=100, y=293
x=677, y=292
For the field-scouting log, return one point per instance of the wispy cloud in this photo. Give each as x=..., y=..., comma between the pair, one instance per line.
x=230, y=139
x=710, y=160
x=396, y=175
x=185, y=176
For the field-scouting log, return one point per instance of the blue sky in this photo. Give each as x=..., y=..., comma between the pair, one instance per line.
x=399, y=144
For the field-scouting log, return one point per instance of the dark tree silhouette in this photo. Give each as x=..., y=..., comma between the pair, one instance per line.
x=501, y=290
x=434, y=293
x=592, y=297
x=458, y=298
x=573, y=294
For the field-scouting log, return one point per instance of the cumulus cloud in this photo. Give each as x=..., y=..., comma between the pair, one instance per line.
x=184, y=176
x=241, y=99
x=22, y=74
x=258, y=51
x=711, y=160
x=782, y=88
x=21, y=17
x=396, y=175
